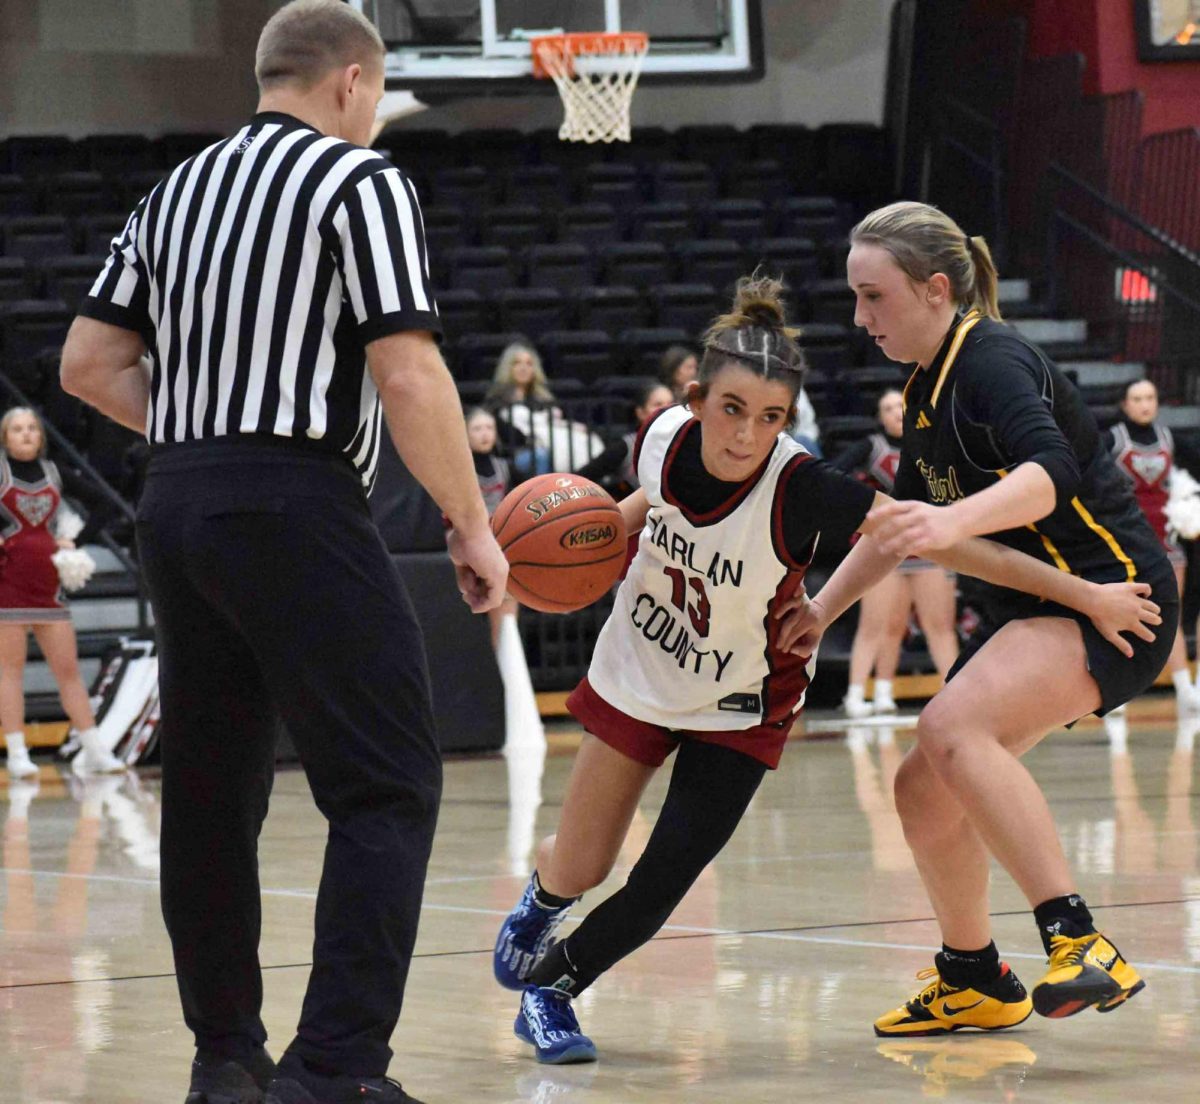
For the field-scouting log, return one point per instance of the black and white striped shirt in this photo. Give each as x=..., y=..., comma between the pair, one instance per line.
x=257, y=272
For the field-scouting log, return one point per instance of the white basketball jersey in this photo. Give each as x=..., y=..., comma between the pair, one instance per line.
x=690, y=643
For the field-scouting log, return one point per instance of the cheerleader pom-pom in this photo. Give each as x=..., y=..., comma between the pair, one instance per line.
x=1183, y=505
x=68, y=524
x=75, y=567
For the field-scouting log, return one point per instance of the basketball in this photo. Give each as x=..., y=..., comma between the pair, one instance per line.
x=564, y=538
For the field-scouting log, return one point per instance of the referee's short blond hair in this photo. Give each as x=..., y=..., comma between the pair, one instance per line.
x=305, y=39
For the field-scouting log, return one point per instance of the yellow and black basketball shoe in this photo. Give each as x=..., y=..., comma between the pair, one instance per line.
x=940, y=1008
x=1084, y=972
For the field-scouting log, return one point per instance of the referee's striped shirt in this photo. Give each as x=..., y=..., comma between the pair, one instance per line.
x=257, y=272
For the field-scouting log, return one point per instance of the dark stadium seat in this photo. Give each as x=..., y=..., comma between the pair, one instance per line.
x=565, y=265
x=649, y=146
x=471, y=187
x=714, y=144
x=423, y=151
x=27, y=326
x=611, y=308
x=544, y=185
x=840, y=430
x=606, y=182
x=463, y=311
x=740, y=220
x=18, y=196
x=515, y=226
x=799, y=217
x=639, y=264
x=870, y=383
x=37, y=155
x=174, y=148
x=94, y=233
x=590, y=224
x=130, y=188
x=69, y=414
x=445, y=228
x=532, y=310
x=117, y=154
x=486, y=268
x=765, y=179
x=476, y=354
x=70, y=278
x=795, y=146
x=639, y=350
x=831, y=301
x=15, y=279
x=77, y=193
x=36, y=236
x=689, y=307
x=719, y=262
x=666, y=223
x=691, y=182
x=795, y=259
x=585, y=355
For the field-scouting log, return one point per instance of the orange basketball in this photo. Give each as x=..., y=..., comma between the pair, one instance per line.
x=564, y=539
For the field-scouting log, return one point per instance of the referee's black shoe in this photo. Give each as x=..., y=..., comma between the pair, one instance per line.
x=219, y=1079
x=337, y=1090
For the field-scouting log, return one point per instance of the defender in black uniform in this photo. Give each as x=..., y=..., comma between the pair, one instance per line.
x=996, y=442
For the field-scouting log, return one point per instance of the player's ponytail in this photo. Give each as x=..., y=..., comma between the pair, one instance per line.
x=754, y=334
x=923, y=240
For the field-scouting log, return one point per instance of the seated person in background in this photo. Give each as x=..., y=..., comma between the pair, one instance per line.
x=495, y=481
x=804, y=430
x=883, y=610
x=677, y=369
x=613, y=468
x=524, y=408
x=1146, y=453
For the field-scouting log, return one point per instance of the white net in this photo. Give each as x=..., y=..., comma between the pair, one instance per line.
x=596, y=76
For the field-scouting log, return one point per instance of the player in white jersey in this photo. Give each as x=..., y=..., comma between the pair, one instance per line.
x=729, y=513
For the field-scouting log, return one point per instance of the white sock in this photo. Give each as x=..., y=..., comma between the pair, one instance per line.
x=883, y=689
x=1183, y=683
x=15, y=741
x=89, y=739
x=854, y=694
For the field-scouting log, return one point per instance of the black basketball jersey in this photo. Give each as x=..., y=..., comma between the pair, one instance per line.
x=990, y=401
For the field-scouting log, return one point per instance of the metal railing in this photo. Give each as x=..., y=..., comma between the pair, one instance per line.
x=103, y=488
x=1137, y=286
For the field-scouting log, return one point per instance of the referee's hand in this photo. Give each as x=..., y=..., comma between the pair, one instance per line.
x=481, y=569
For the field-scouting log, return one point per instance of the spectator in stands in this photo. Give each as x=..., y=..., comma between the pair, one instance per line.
x=804, y=430
x=614, y=468
x=495, y=481
x=678, y=369
x=883, y=610
x=31, y=596
x=524, y=408
x=1146, y=452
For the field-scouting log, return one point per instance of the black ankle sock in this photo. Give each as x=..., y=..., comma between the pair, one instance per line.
x=558, y=969
x=964, y=969
x=548, y=900
x=1067, y=916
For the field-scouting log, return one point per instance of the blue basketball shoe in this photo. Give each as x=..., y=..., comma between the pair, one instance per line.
x=524, y=937
x=547, y=1021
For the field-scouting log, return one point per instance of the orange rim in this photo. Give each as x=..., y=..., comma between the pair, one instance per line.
x=570, y=46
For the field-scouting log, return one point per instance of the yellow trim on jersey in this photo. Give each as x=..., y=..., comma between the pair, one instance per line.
x=970, y=320
x=1047, y=543
x=1107, y=537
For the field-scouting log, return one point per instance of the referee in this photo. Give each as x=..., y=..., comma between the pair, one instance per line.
x=278, y=282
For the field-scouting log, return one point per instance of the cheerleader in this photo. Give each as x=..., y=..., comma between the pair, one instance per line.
x=31, y=597
x=916, y=583
x=1146, y=453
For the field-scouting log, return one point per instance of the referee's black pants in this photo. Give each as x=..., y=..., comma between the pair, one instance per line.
x=272, y=591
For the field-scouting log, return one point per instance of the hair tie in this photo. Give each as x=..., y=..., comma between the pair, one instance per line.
x=970, y=242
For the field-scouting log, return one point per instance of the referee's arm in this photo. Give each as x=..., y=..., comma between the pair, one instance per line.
x=102, y=356
x=377, y=231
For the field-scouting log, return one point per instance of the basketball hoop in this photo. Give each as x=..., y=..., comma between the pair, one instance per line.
x=596, y=75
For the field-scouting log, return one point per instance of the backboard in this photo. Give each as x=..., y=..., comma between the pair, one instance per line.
x=476, y=47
